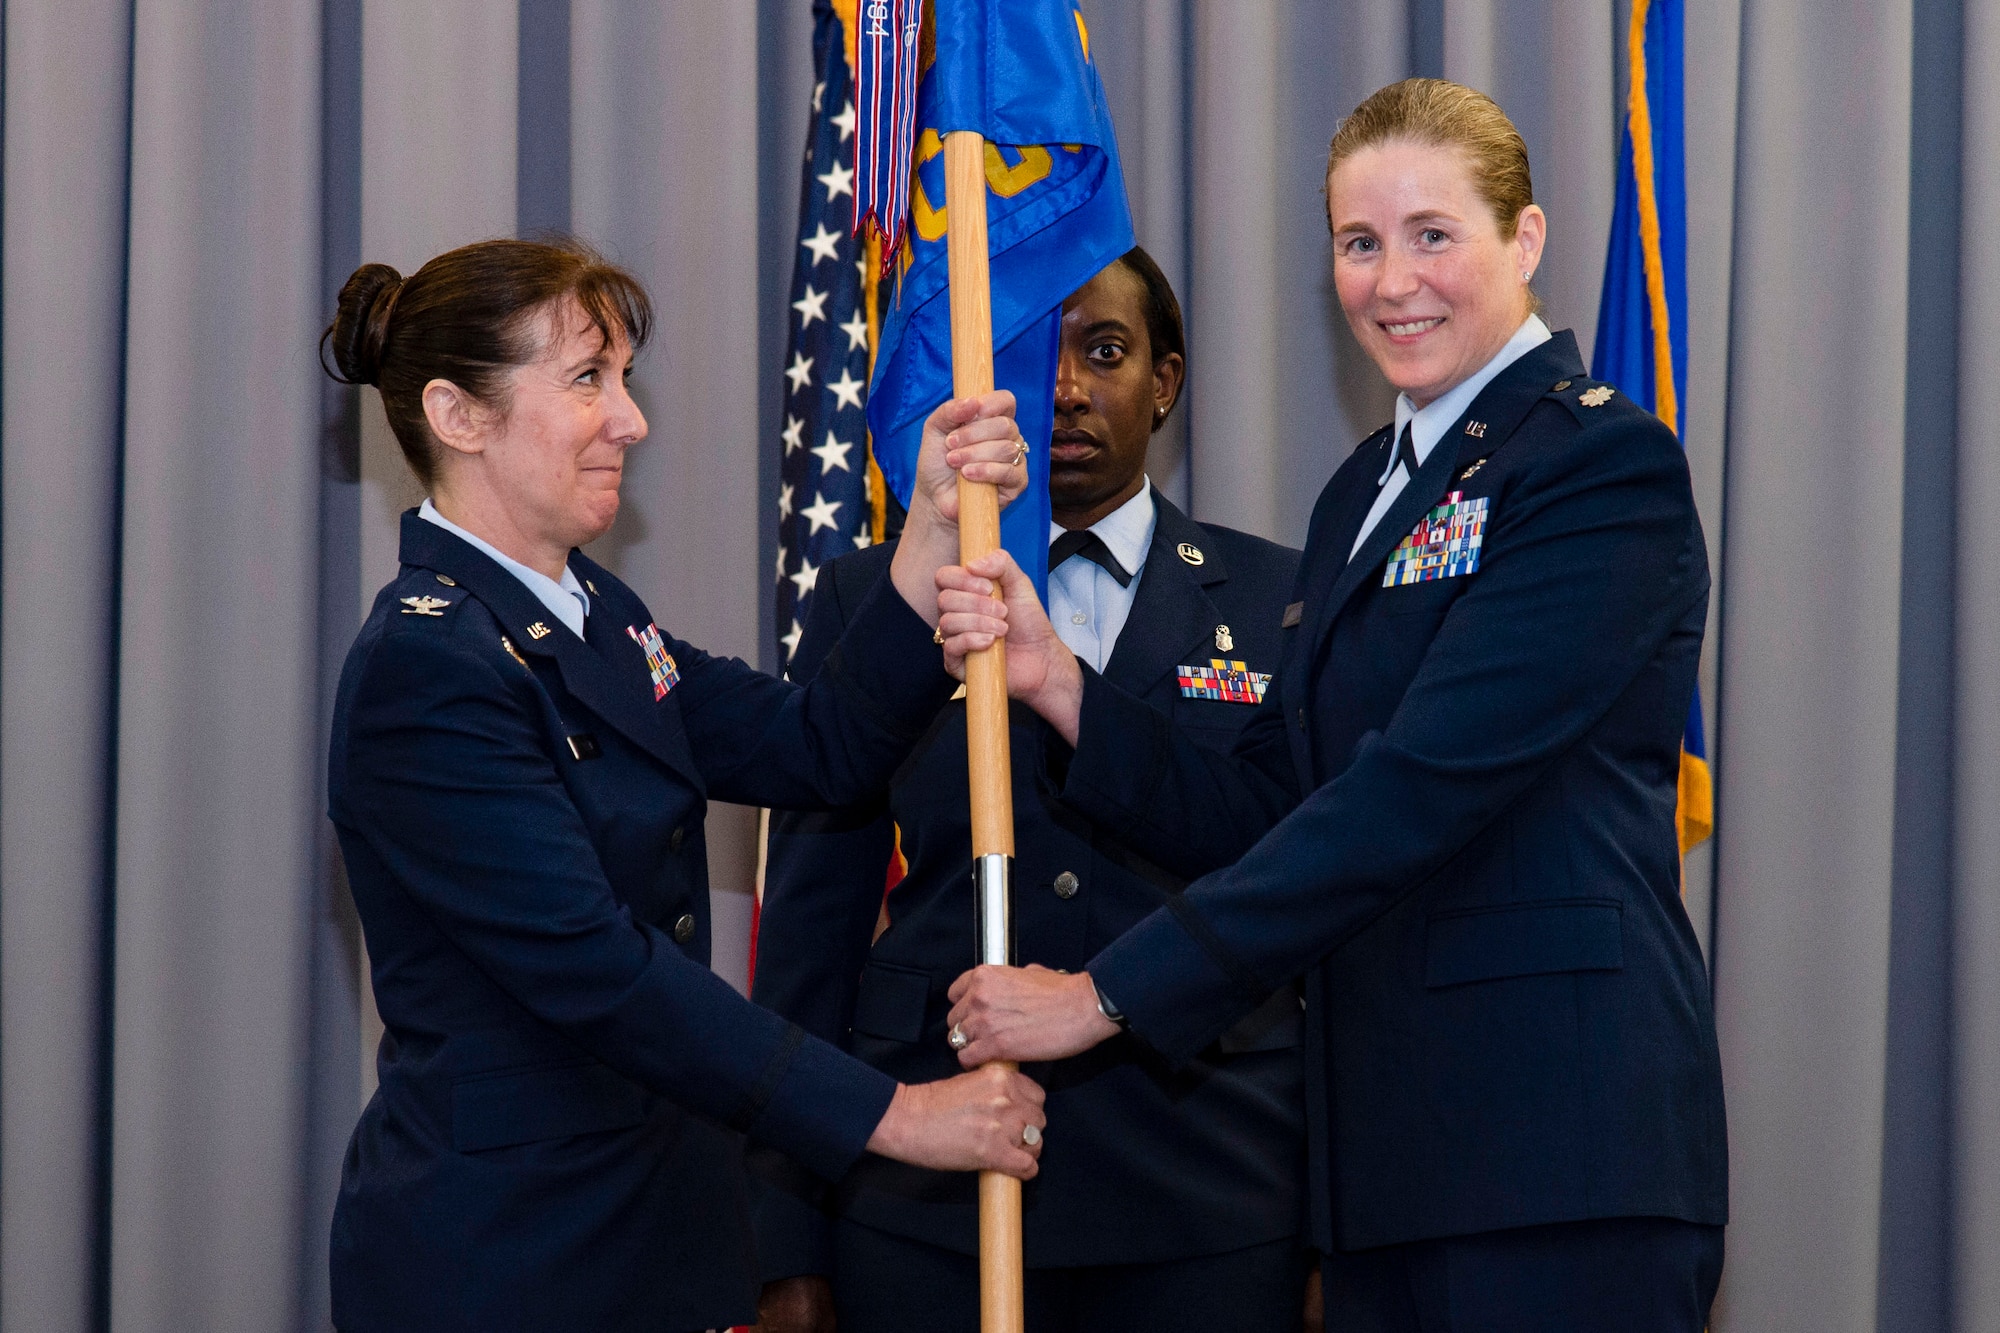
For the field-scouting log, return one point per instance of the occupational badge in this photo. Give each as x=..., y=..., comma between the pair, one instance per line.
x=1223, y=641
x=1226, y=682
x=658, y=660
x=1444, y=544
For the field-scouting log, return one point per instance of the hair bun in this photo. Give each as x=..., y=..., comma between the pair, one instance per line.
x=360, y=328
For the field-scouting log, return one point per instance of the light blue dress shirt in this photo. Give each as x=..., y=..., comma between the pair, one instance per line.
x=566, y=601
x=1428, y=425
x=1086, y=605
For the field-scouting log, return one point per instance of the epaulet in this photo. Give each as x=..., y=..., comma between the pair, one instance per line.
x=1587, y=398
x=1379, y=433
x=424, y=597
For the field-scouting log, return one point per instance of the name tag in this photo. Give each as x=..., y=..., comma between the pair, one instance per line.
x=583, y=745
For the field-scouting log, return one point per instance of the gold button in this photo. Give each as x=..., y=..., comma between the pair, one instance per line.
x=684, y=928
x=447, y=581
x=1561, y=385
x=1066, y=884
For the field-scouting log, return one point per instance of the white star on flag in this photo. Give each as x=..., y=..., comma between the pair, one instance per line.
x=794, y=433
x=806, y=577
x=832, y=454
x=838, y=181
x=781, y=561
x=847, y=390
x=819, y=513
x=791, y=641
x=819, y=91
x=800, y=372
x=856, y=330
x=785, y=500
x=862, y=541
x=845, y=120
x=811, y=306
x=824, y=244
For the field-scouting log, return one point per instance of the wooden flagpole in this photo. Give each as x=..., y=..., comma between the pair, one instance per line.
x=1001, y=1303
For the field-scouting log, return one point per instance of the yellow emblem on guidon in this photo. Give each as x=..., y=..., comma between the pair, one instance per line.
x=424, y=606
x=1597, y=397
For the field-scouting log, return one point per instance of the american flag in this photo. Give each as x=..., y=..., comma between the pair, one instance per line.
x=823, y=473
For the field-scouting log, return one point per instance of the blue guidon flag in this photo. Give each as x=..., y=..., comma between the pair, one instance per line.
x=1019, y=73
x=823, y=483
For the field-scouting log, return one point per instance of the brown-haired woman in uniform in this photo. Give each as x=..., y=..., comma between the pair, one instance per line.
x=520, y=762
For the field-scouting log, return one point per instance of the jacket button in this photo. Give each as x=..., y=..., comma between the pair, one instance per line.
x=684, y=928
x=1066, y=884
x=675, y=839
x=1302, y=722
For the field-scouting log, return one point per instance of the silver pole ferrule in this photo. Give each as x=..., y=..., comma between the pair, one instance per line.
x=993, y=927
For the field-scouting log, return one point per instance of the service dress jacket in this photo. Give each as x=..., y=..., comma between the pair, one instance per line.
x=1454, y=815
x=556, y=1141
x=1142, y=1162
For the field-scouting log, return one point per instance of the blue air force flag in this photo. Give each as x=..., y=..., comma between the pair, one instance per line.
x=1019, y=73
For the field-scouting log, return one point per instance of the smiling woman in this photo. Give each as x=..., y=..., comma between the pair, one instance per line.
x=519, y=766
x=1453, y=818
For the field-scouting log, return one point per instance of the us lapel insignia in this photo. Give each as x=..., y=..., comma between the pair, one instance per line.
x=1223, y=641
x=1189, y=552
x=1227, y=682
x=1597, y=397
x=1476, y=429
x=424, y=606
x=538, y=630
x=1444, y=544
x=658, y=660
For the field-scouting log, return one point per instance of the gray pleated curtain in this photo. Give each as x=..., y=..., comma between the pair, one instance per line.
x=192, y=521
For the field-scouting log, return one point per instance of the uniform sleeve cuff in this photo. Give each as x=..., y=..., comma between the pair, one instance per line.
x=824, y=1109
x=1174, y=994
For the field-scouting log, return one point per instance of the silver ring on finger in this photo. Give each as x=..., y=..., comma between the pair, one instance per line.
x=1030, y=1135
x=1020, y=453
x=957, y=1039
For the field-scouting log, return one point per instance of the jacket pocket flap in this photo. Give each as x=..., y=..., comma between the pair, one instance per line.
x=1573, y=935
x=891, y=1002
x=501, y=1110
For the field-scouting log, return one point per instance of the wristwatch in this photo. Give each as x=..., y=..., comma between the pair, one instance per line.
x=1108, y=1009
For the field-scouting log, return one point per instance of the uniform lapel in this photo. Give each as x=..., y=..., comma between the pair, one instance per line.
x=597, y=681
x=1170, y=596
x=1502, y=406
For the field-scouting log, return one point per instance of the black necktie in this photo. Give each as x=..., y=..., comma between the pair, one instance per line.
x=1406, y=454
x=1091, y=547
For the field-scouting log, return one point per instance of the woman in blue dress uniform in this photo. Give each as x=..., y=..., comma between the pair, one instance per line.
x=1454, y=814
x=520, y=762
x=1167, y=1200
